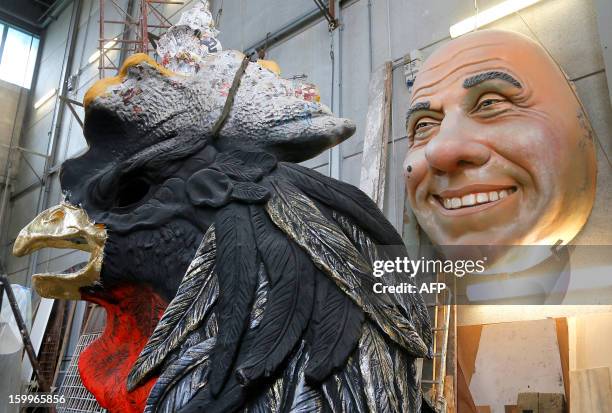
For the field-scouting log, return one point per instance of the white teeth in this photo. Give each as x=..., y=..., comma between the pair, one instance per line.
x=467, y=200
x=475, y=198
x=481, y=197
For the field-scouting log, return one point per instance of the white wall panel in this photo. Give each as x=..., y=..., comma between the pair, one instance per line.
x=355, y=73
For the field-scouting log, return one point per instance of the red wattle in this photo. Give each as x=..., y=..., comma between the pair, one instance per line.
x=132, y=312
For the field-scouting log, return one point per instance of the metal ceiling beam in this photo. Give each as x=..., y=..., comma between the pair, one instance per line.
x=53, y=12
x=22, y=22
x=291, y=28
x=285, y=31
x=26, y=23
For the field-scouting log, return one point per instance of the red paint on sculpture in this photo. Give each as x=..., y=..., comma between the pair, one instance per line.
x=132, y=312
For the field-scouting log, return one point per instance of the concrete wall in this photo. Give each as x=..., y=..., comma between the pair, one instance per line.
x=567, y=28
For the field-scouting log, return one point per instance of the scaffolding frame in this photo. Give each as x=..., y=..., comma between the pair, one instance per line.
x=141, y=17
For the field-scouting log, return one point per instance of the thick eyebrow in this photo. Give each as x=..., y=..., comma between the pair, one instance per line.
x=416, y=107
x=482, y=77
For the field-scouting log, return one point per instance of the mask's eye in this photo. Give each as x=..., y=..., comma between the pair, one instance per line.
x=423, y=126
x=421, y=130
x=490, y=102
x=132, y=190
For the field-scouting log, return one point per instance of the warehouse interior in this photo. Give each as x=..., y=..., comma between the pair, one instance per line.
x=53, y=51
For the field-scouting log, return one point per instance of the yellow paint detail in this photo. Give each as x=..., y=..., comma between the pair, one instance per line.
x=271, y=65
x=99, y=88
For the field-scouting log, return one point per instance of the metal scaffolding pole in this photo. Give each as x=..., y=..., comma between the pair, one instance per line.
x=141, y=16
x=5, y=286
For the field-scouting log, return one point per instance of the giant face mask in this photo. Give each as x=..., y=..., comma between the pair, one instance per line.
x=500, y=150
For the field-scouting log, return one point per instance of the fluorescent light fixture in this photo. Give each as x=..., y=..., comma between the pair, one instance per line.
x=489, y=16
x=96, y=55
x=45, y=98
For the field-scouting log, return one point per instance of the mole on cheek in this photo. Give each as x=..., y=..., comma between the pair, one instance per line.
x=408, y=170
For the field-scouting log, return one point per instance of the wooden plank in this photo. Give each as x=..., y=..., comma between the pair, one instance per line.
x=451, y=349
x=581, y=400
x=551, y=403
x=563, y=342
x=465, y=402
x=591, y=390
x=377, y=133
x=449, y=394
x=528, y=402
x=468, y=340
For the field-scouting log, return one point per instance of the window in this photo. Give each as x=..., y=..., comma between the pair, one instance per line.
x=18, y=52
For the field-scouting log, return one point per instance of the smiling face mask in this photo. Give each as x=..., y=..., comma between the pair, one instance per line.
x=500, y=149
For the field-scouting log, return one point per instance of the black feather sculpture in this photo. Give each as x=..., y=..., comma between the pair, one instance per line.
x=265, y=266
x=290, y=301
x=237, y=270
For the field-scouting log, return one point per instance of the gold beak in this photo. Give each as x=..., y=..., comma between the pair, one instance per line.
x=64, y=226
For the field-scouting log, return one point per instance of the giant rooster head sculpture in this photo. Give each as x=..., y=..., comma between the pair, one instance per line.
x=233, y=279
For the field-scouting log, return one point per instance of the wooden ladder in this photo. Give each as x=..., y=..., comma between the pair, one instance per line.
x=440, y=312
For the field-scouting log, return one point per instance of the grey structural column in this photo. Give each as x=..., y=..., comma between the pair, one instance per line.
x=604, y=17
x=336, y=56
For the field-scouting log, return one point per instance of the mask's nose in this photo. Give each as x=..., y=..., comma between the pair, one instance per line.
x=456, y=146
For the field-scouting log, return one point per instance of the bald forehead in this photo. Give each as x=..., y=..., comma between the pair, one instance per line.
x=483, y=51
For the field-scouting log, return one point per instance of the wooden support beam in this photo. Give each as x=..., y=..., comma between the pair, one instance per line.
x=377, y=133
x=563, y=342
x=591, y=390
